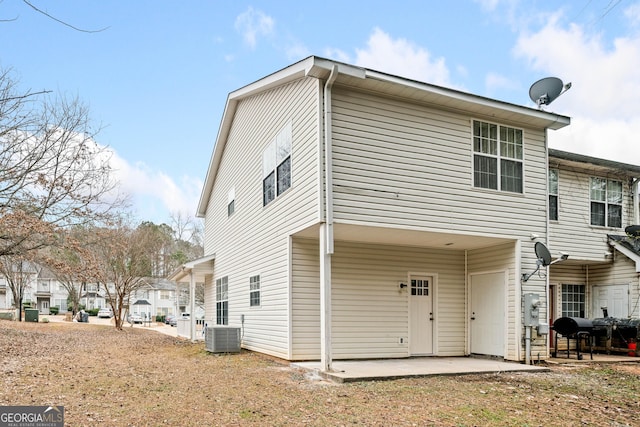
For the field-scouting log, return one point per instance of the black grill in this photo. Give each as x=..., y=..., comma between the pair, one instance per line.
x=615, y=335
x=608, y=334
x=574, y=328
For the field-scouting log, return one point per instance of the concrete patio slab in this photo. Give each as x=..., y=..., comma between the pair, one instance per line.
x=368, y=370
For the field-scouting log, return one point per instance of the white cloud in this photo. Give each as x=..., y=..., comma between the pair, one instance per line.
x=337, y=54
x=632, y=13
x=253, y=24
x=494, y=81
x=297, y=51
x=403, y=58
x=605, y=95
x=154, y=193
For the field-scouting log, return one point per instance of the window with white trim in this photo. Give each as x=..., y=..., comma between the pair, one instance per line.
x=222, y=301
x=573, y=300
x=553, y=194
x=231, y=202
x=606, y=202
x=276, y=166
x=497, y=157
x=254, y=291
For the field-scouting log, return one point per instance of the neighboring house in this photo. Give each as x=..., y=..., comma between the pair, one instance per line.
x=591, y=203
x=353, y=214
x=156, y=298
x=50, y=293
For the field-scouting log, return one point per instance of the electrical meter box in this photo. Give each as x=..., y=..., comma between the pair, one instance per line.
x=531, y=309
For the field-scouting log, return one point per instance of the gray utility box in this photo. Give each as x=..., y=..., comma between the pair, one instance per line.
x=222, y=339
x=31, y=314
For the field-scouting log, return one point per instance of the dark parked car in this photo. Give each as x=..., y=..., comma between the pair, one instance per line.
x=168, y=318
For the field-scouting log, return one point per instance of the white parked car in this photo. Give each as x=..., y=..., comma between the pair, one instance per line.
x=134, y=318
x=105, y=313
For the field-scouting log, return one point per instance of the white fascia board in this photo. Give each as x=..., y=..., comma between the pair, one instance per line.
x=627, y=252
x=555, y=121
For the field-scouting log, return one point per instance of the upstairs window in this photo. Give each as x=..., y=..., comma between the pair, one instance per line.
x=498, y=157
x=231, y=202
x=606, y=202
x=553, y=194
x=254, y=291
x=222, y=301
x=276, y=166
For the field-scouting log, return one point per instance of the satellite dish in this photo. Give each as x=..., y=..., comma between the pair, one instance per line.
x=545, y=91
x=542, y=253
x=633, y=230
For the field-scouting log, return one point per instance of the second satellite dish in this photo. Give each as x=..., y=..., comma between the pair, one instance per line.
x=545, y=91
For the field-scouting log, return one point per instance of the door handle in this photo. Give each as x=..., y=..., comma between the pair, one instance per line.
x=473, y=316
x=430, y=316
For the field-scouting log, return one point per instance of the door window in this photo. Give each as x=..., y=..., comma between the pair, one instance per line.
x=419, y=287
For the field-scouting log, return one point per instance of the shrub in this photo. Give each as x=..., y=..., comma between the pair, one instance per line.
x=93, y=311
x=54, y=310
x=160, y=318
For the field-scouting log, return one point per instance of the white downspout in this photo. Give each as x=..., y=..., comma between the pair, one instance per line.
x=192, y=304
x=326, y=233
x=328, y=157
x=636, y=206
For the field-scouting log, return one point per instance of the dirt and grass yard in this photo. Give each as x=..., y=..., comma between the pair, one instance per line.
x=139, y=377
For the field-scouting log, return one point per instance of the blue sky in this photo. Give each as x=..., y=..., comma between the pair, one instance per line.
x=158, y=75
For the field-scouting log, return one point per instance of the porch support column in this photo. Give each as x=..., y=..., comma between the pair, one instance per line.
x=325, y=302
x=192, y=306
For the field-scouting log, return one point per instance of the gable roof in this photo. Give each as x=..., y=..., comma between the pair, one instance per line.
x=387, y=84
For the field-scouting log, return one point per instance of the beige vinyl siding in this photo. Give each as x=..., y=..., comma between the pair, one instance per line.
x=370, y=312
x=621, y=272
x=254, y=240
x=305, y=299
x=568, y=274
x=503, y=258
x=405, y=164
x=573, y=232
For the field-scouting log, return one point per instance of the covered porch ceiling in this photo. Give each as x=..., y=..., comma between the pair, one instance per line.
x=405, y=237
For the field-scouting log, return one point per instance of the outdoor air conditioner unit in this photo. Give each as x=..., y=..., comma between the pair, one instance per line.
x=222, y=339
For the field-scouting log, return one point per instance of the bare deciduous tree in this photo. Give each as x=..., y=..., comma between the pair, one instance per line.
x=18, y=273
x=52, y=172
x=123, y=259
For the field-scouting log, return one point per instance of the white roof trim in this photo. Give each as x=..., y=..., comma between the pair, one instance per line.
x=626, y=252
x=198, y=264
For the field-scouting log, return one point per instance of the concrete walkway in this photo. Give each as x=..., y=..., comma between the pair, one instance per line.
x=367, y=370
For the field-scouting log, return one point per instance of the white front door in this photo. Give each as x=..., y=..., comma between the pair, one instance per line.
x=487, y=313
x=614, y=297
x=421, y=315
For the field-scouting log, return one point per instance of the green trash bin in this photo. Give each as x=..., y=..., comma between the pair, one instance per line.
x=31, y=314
